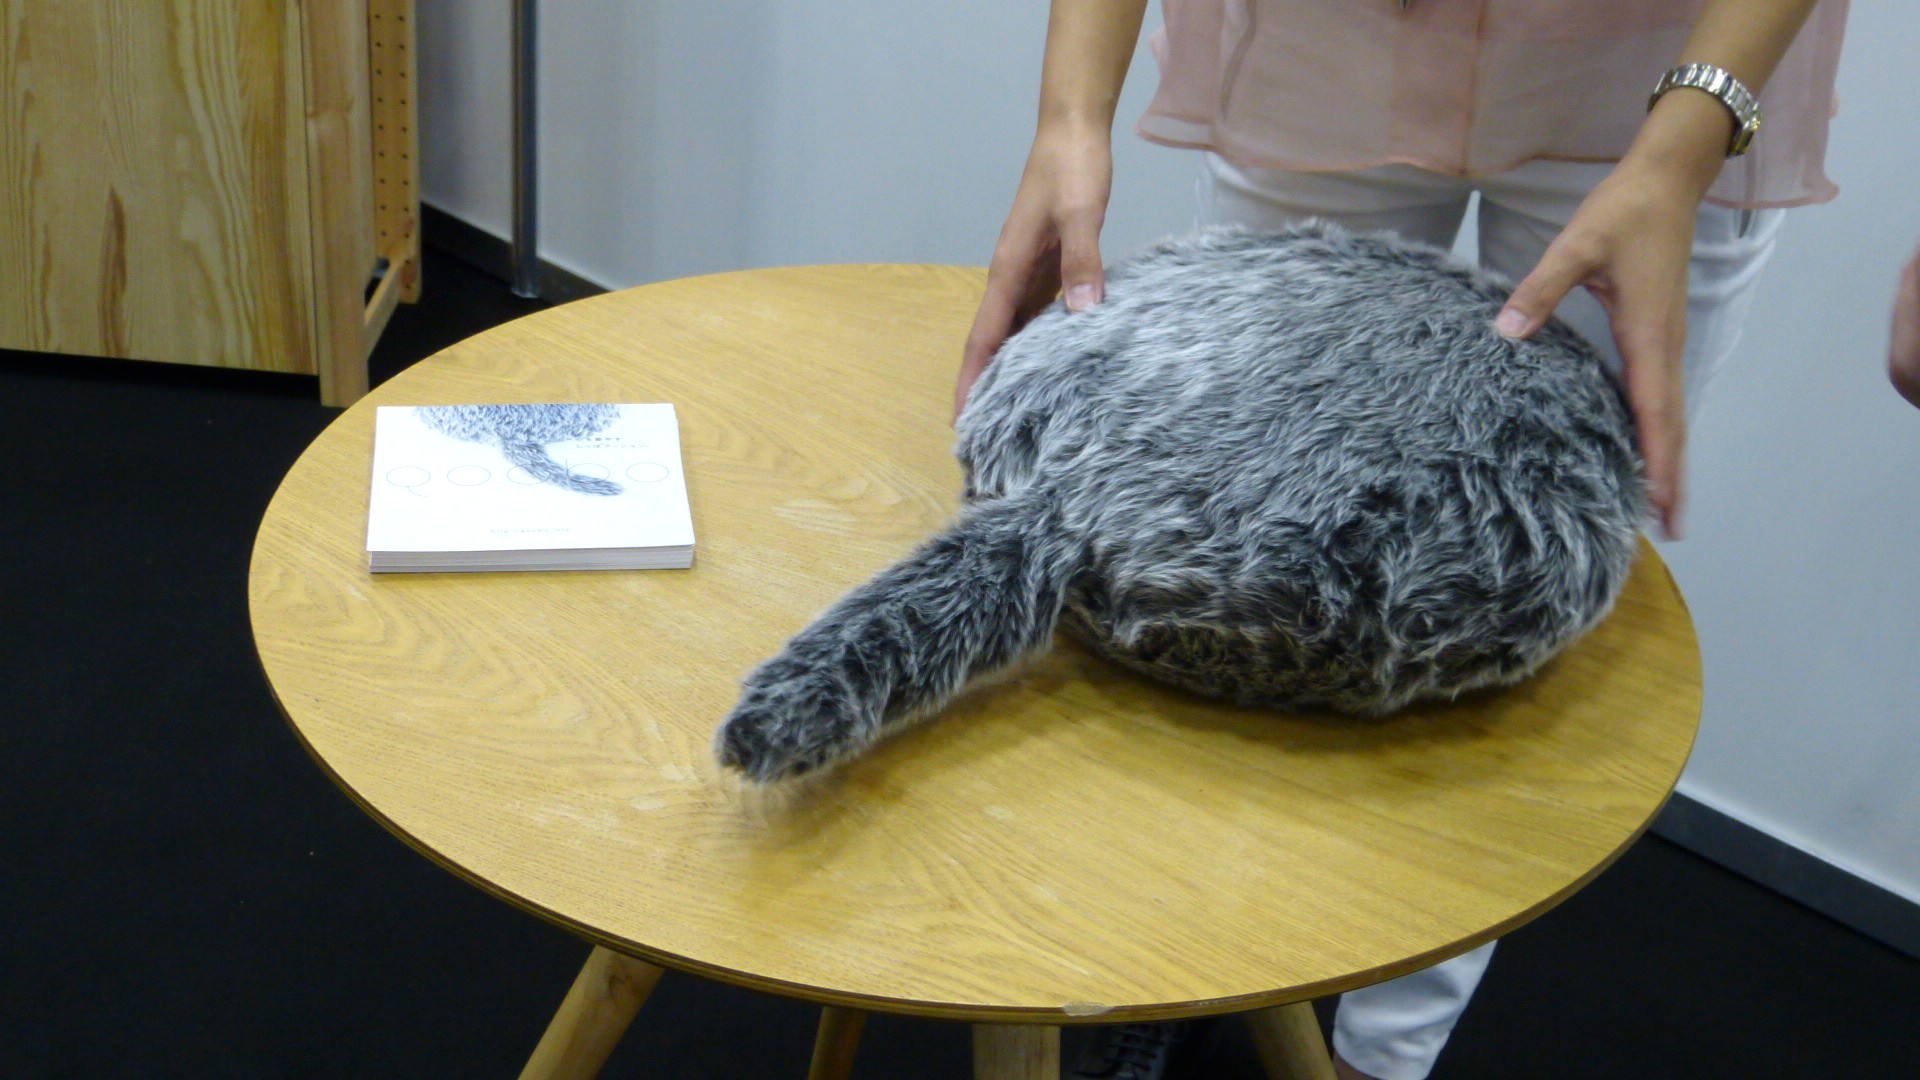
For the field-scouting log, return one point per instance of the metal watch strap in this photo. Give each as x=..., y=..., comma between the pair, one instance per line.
x=1719, y=82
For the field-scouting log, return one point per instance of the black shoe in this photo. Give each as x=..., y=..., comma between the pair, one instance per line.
x=1131, y=1051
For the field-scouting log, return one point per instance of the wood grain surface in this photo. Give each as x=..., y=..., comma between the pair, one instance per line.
x=152, y=155
x=339, y=133
x=208, y=181
x=1071, y=844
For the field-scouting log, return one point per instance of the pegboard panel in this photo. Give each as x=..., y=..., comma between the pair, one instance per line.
x=391, y=70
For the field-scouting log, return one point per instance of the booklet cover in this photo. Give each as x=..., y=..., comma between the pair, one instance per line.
x=527, y=487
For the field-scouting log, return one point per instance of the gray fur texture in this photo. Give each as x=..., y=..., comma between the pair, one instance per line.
x=1291, y=469
x=522, y=432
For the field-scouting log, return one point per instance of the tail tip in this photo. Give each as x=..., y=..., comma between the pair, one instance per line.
x=590, y=485
x=785, y=729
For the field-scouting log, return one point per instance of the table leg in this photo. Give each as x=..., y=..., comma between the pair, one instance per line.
x=1288, y=1038
x=604, y=998
x=835, y=1045
x=1016, y=1052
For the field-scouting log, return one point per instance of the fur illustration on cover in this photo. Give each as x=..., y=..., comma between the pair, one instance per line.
x=522, y=432
x=1292, y=469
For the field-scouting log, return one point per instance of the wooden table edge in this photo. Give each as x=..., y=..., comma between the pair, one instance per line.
x=1065, y=1014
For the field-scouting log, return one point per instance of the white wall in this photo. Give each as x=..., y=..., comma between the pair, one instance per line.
x=683, y=138
x=466, y=110
x=1802, y=561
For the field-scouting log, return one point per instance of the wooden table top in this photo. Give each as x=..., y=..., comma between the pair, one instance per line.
x=1072, y=844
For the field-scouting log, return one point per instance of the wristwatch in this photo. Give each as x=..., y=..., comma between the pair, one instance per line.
x=1719, y=82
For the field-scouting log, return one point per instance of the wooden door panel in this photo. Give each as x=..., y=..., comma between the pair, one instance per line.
x=153, y=156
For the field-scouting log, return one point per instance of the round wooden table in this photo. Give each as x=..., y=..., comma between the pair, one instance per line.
x=1071, y=845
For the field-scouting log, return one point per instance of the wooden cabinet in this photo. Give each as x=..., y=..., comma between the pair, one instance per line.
x=221, y=182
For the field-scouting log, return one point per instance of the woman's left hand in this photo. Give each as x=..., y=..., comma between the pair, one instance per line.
x=1629, y=243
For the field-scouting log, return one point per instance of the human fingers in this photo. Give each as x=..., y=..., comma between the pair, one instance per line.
x=1628, y=244
x=991, y=325
x=1903, y=349
x=1022, y=268
x=1650, y=329
x=1051, y=240
x=1568, y=261
x=1081, y=271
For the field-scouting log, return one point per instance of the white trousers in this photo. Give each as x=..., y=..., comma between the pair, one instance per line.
x=1395, y=1030
x=1521, y=211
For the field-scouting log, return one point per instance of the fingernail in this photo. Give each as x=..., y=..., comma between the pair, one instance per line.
x=1082, y=297
x=1511, y=323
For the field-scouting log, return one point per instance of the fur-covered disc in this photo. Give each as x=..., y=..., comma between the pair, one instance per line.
x=1292, y=468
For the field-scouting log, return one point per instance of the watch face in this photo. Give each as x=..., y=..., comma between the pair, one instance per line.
x=1743, y=138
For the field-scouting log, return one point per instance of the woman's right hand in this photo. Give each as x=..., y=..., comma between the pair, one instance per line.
x=1903, y=351
x=1050, y=243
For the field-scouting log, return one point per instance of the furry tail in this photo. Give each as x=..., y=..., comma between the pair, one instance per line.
x=975, y=598
x=533, y=457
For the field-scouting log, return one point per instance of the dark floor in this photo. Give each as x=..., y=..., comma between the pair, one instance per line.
x=182, y=893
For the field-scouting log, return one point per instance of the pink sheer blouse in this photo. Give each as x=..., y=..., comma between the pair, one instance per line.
x=1468, y=87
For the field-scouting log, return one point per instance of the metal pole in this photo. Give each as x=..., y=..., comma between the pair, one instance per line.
x=526, y=249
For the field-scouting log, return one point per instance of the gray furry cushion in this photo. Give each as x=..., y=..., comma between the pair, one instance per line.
x=1291, y=469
